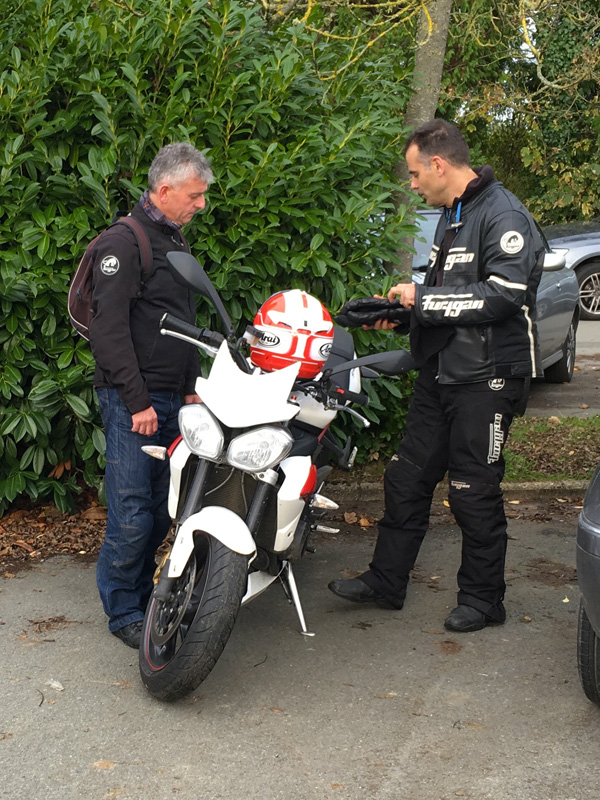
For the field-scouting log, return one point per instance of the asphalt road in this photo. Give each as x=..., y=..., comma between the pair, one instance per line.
x=581, y=397
x=379, y=704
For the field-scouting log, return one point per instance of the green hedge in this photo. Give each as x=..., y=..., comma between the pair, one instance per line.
x=88, y=93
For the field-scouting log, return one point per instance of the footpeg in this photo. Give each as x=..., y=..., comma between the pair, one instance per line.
x=325, y=529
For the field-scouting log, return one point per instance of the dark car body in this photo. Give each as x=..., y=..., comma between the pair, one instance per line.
x=588, y=576
x=579, y=242
x=557, y=302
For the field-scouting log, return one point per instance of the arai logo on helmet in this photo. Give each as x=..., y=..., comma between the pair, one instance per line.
x=269, y=339
x=325, y=349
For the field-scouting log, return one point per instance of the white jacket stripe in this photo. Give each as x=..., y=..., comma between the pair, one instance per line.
x=525, y=310
x=508, y=284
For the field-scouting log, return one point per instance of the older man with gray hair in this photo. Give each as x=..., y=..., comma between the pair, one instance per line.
x=141, y=376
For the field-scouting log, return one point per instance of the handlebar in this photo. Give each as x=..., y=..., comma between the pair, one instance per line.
x=337, y=393
x=204, y=335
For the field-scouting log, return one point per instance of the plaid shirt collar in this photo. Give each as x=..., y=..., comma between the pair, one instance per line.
x=153, y=212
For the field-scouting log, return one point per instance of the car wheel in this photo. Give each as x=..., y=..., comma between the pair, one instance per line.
x=588, y=276
x=562, y=371
x=588, y=656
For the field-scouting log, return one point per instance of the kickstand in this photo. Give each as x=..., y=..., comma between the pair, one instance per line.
x=288, y=582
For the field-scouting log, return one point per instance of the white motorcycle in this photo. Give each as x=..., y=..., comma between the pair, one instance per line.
x=245, y=486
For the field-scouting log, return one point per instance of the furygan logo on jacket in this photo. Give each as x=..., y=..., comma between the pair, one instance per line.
x=457, y=255
x=451, y=304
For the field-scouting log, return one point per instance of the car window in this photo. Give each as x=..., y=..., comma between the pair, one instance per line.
x=427, y=227
x=572, y=229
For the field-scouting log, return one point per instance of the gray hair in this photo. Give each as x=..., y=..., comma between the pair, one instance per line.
x=177, y=162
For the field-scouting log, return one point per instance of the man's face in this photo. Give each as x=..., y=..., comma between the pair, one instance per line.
x=427, y=177
x=179, y=202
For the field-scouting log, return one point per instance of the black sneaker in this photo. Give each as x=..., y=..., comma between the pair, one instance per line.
x=130, y=634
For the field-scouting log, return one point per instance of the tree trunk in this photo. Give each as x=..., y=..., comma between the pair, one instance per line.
x=429, y=63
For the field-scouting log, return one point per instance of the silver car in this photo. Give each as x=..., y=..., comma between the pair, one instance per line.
x=579, y=243
x=588, y=577
x=557, y=302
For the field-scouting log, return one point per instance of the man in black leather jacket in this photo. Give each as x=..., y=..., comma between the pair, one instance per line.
x=473, y=336
x=141, y=377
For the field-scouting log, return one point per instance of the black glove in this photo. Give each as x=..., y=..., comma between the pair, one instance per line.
x=367, y=310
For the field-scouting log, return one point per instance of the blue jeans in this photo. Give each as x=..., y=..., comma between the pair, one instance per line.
x=137, y=488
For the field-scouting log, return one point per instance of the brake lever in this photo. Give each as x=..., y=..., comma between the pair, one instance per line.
x=338, y=407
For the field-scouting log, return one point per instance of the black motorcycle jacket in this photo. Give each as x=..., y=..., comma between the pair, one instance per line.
x=482, y=298
x=131, y=355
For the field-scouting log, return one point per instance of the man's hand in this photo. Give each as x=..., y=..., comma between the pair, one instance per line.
x=145, y=422
x=381, y=324
x=192, y=398
x=405, y=292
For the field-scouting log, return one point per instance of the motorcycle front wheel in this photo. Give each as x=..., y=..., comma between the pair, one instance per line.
x=184, y=635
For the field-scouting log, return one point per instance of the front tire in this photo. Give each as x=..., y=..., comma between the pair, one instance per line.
x=184, y=635
x=588, y=656
x=562, y=371
x=588, y=277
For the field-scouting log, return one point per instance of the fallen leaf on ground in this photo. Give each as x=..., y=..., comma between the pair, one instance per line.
x=584, y=405
x=514, y=502
x=104, y=765
x=350, y=573
x=566, y=600
x=94, y=512
x=51, y=624
x=55, y=684
x=24, y=545
x=350, y=517
x=449, y=647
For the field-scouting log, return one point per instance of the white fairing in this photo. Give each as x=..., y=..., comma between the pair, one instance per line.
x=219, y=522
x=314, y=413
x=257, y=583
x=240, y=400
x=289, y=503
x=177, y=462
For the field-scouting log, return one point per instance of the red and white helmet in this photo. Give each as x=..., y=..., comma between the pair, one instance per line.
x=295, y=327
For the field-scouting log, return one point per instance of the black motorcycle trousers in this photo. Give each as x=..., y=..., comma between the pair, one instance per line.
x=459, y=429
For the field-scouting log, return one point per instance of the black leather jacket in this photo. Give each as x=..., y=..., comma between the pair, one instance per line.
x=486, y=301
x=130, y=353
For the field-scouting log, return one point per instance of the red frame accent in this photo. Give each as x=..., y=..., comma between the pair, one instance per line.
x=174, y=444
x=311, y=483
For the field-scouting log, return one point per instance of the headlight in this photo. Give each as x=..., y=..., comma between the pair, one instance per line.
x=259, y=449
x=201, y=431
